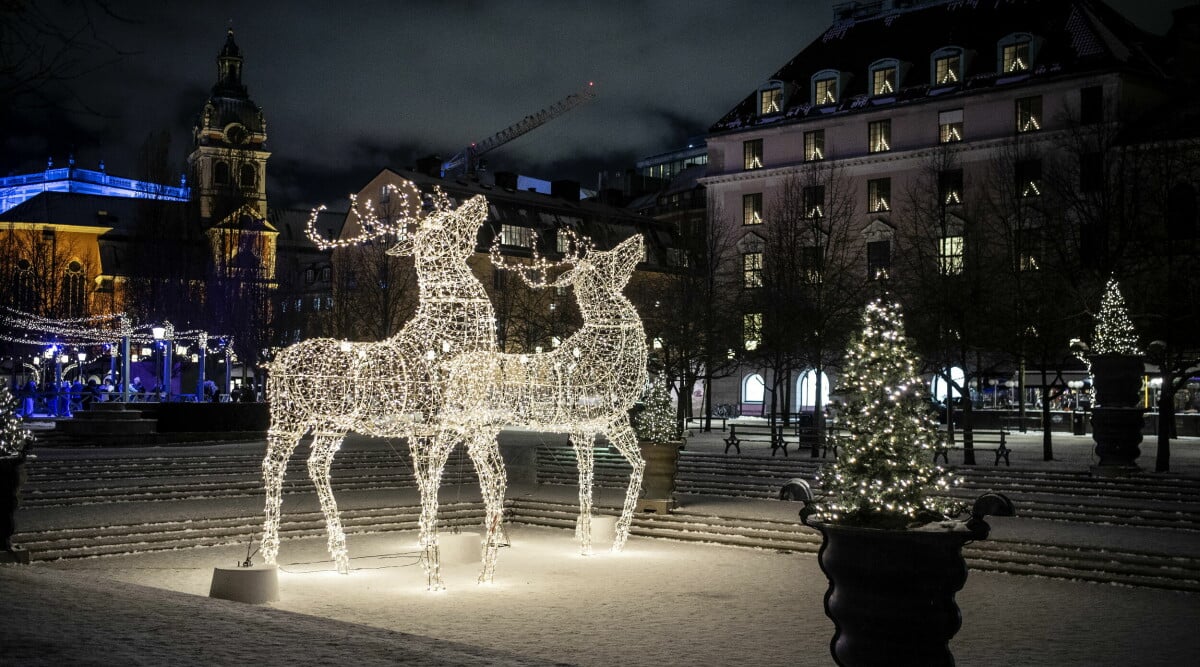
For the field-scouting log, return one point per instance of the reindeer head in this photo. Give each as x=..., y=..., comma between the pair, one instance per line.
x=601, y=275
x=445, y=232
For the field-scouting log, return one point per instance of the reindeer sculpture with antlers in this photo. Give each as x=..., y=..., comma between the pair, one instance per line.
x=584, y=387
x=391, y=388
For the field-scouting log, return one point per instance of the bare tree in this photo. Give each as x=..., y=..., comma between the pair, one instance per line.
x=814, y=280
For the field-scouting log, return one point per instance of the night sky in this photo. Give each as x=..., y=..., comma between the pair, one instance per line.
x=349, y=88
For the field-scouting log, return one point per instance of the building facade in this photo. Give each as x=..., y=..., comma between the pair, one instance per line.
x=922, y=149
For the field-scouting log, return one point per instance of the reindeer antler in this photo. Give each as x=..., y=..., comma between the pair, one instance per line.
x=535, y=273
x=407, y=200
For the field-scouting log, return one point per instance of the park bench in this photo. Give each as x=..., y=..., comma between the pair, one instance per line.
x=740, y=433
x=981, y=441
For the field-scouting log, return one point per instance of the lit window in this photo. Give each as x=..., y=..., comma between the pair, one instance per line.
x=950, y=126
x=825, y=91
x=814, y=145
x=316, y=303
x=326, y=274
x=1029, y=178
x=309, y=275
x=752, y=154
x=284, y=305
x=752, y=205
x=879, y=136
x=879, y=195
x=751, y=330
x=516, y=236
x=299, y=304
x=883, y=81
x=752, y=265
x=771, y=101
x=1029, y=114
x=814, y=201
x=947, y=69
x=950, y=255
x=1029, y=246
x=950, y=187
x=1016, y=57
x=562, y=242
x=812, y=263
x=879, y=259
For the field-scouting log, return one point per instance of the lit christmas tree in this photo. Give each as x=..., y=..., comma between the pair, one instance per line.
x=883, y=473
x=13, y=436
x=1114, y=332
x=656, y=422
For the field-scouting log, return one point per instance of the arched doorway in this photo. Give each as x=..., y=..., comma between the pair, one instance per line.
x=806, y=390
x=753, y=390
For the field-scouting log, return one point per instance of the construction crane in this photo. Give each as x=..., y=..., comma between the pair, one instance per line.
x=467, y=160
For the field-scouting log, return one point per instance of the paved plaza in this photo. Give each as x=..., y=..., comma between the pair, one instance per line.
x=661, y=602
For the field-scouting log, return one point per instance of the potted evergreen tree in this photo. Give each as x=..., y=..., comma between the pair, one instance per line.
x=1117, y=368
x=14, y=439
x=891, y=550
x=659, y=438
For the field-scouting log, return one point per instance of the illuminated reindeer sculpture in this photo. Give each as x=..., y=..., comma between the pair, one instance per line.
x=390, y=388
x=584, y=387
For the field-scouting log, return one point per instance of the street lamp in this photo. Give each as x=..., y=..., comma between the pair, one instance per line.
x=995, y=393
x=1077, y=425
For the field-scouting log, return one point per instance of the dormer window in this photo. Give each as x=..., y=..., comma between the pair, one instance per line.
x=1016, y=53
x=825, y=87
x=947, y=66
x=770, y=100
x=885, y=77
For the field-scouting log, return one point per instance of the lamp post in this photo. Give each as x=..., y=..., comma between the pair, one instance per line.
x=995, y=398
x=201, y=348
x=1078, y=427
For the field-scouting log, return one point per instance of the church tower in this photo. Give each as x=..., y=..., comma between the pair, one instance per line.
x=228, y=167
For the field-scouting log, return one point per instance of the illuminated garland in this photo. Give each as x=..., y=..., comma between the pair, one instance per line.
x=391, y=388
x=657, y=422
x=883, y=473
x=1114, y=333
x=584, y=387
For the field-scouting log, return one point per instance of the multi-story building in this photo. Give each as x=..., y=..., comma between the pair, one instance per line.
x=906, y=140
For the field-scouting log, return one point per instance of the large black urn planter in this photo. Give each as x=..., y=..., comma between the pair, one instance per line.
x=658, y=479
x=891, y=592
x=12, y=477
x=1118, y=416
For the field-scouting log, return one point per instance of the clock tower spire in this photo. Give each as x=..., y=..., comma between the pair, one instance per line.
x=228, y=168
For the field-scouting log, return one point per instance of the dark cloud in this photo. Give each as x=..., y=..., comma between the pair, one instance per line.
x=351, y=88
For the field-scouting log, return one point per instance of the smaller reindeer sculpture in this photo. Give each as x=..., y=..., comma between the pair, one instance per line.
x=584, y=387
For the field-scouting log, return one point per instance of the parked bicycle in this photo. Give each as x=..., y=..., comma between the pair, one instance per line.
x=727, y=411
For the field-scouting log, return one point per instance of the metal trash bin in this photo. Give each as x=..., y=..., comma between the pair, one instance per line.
x=1079, y=423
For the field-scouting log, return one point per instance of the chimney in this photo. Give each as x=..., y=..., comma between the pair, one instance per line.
x=506, y=180
x=568, y=190
x=430, y=165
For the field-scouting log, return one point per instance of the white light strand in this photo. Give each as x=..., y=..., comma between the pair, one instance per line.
x=391, y=388
x=1114, y=333
x=584, y=387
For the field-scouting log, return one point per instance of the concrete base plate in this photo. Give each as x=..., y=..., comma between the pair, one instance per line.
x=256, y=584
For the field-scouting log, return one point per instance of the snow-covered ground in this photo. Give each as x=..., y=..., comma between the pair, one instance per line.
x=659, y=603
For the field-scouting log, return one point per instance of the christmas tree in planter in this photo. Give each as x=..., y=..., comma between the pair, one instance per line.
x=14, y=438
x=884, y=470
x=893, y=559
x=657, y=429
x=1117, y=367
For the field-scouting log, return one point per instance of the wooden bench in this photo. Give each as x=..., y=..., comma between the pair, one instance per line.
x=739, y=433
x=991, y=441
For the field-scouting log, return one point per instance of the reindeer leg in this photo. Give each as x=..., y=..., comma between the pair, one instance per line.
x=429, y=459
x=620, y=435
x=324, y=446
x=489, y=465
x=584, y=455
x=281, y=442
